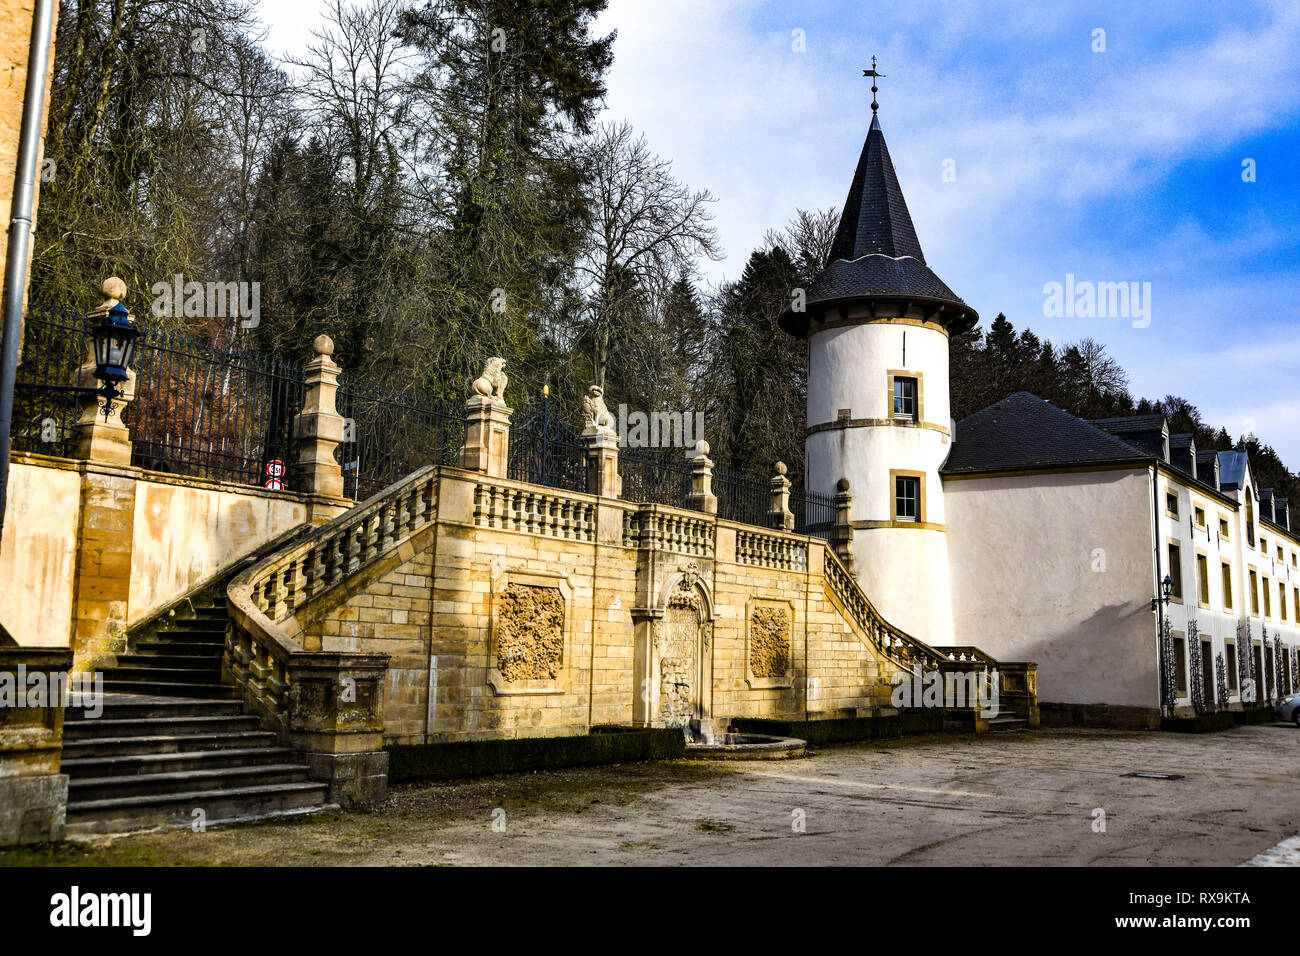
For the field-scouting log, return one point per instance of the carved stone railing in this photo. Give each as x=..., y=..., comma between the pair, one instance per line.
x=666, y=530
x=766, y=550
x=912, y=655
x=328, y=705
x=530, y=510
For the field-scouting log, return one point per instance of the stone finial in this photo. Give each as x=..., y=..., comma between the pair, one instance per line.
x=701, y=497
x=492, y=383
x=701, y=449
x=323, y=345
x=842, y=535
x=114, y=288
x=781, y=469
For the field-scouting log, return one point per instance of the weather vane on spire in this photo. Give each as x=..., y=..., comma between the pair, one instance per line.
x=874, y=89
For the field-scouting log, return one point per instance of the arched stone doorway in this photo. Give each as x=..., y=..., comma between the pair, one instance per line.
x=675, y=656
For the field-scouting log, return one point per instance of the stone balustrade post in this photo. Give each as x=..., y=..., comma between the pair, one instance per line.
x=701, y=497
x=487, y=424
x=600, y=441
x=779, y=515
x=100, y=437
x=842, y=536
x=318, y=430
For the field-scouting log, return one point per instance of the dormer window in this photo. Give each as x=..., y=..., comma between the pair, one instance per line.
x=905, y=398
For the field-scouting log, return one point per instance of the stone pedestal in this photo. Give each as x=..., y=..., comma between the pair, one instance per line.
x=842, y=535
x=33, y=793
x=603, y=478
x=701, y=497
x=318, y=428
x=487, y=436
x=779, y=515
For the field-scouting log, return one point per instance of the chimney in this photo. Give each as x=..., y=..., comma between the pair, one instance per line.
x=1207, y=468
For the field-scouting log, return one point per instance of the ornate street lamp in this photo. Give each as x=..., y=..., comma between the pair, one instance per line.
x=114, y=341
x=1166, y=593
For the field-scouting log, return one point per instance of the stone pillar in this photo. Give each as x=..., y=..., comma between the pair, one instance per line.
x=487, y=424
x=601, y=443
x=104, y=438
x=33, y=790
x=318, y=428
x=105, y=545
x=842, y=536
x=779, y=515
x=701, y=497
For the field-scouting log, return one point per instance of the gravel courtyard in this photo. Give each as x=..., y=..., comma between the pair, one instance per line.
x=1030, y=798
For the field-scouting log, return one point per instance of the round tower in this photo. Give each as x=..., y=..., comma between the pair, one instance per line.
x=877, y=321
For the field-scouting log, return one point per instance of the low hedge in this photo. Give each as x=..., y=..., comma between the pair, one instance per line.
x=480, y=758
x=837, y=730
x=1200, y=724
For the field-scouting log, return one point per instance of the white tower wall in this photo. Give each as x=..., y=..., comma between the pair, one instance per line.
x=902, y=565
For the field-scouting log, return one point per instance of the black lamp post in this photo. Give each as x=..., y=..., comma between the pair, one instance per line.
x=114, y=340
x=1166, y=593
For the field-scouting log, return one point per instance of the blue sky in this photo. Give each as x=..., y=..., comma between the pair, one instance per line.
x=1123, y=165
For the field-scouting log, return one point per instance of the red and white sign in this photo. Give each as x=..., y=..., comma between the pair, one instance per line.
x=275, y=484
x=275, y=468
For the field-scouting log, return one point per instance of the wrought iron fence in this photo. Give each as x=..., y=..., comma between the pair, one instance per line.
x=199, y=409
x=389, y=434
x=814, y=512
x=741, y=497
x=655, y=476
x=55, y=344
x=546, y=451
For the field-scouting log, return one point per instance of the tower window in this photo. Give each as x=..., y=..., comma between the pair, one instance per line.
x=905, y=398
x=907, y=498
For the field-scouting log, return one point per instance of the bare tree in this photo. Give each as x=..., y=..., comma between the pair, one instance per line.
x=647, y=230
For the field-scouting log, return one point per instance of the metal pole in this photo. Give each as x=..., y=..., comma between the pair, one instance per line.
x=20, y=225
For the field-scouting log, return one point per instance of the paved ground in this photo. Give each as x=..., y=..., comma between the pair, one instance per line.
x=1003, y=800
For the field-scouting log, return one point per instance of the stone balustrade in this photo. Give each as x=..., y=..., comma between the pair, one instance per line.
x=666, y=529
x=531, y=510
x=786, y=552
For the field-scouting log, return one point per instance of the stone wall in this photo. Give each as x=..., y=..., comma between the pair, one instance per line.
x=525, y=611
x=90, y=548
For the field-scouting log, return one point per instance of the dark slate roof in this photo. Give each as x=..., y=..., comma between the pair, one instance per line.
x=875, y=217
x=1129, y=424
x=1024, y=432
x=1182, y=440
x=1207, y=458
x=876, y=255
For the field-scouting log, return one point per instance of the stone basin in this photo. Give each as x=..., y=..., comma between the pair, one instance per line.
x=747, y=747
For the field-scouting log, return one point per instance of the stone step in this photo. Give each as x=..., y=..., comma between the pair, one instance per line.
x=163, y=658
x=180, y=726
x=92, y=789
x=125, y=814
x=146, y=742
x=147, y=706
x=1004, y=725
x=101, y=766
x=191, y=649
x=149, y=687
x=183, y=635
x=197, y=672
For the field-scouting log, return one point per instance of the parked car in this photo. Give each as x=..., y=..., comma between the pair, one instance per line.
x=1288, y=708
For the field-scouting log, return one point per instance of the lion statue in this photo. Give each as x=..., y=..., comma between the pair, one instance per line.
x=594, y=410
x=492, y=383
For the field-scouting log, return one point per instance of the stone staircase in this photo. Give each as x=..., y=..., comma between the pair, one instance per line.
x=173, y=740
x=1008, y=721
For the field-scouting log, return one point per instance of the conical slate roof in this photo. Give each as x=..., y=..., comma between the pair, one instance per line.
x=876, y=257
x=875, y=217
